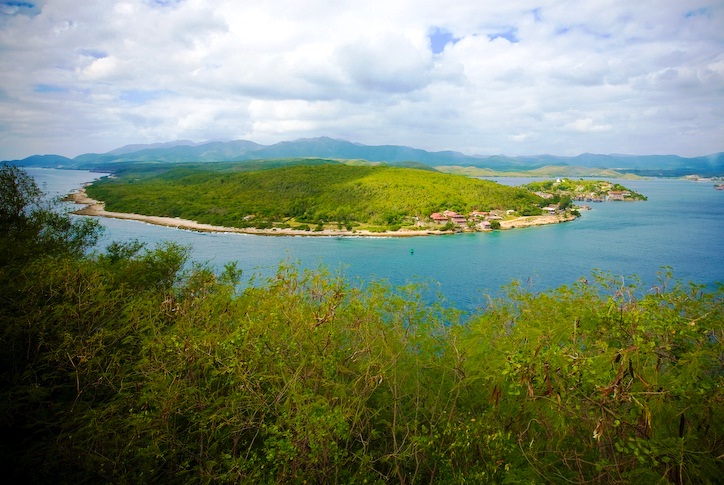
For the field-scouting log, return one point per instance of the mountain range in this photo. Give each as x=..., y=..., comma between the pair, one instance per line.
x=184, y=151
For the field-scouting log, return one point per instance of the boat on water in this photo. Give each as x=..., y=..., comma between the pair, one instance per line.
x=719, y=187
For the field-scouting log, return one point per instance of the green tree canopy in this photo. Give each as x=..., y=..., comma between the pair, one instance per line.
x=31, y=225
x=330, y=192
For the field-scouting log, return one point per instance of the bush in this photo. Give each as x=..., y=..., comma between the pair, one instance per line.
x=122, y=367
x=31, y=226
x=530, y=211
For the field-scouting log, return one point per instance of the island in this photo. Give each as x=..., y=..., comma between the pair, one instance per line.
x=317, y=197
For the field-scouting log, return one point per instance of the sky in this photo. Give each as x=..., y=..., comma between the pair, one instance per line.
x=514, y=77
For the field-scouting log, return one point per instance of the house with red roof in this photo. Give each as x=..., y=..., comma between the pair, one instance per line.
x=458, y=219
x=439, y=218
x=446, y=216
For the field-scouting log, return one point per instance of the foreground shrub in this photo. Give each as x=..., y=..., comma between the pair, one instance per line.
x=125, y=367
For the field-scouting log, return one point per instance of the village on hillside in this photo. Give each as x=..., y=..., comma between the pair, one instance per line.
x=498, y=219
x=583, y=190
x=475, y=220
x=562, y=190
x=560, y=194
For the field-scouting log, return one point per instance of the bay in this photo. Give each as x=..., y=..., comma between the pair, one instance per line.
x=681, y=227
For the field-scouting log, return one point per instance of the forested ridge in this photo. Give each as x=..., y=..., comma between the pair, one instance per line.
x=129, y=366
x=315, y=192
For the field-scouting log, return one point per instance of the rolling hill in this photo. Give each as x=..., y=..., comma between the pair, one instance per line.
x=320, y=193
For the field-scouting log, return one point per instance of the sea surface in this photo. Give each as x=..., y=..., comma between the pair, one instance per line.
x=680, y=227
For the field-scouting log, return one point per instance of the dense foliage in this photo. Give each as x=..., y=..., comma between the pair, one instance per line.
x=310, y=193
x=29, y=224
x=123, y=367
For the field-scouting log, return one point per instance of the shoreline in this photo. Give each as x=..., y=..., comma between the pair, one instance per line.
x=531, y=221
x=94, y=208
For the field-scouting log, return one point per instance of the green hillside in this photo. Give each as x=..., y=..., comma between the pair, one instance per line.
x=318, y=191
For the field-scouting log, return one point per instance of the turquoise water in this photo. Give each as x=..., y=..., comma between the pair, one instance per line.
x=680, y=226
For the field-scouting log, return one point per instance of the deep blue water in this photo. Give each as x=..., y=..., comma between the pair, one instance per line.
x=680, y=226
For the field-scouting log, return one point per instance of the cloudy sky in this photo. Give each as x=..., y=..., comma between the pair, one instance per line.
x=518, y=77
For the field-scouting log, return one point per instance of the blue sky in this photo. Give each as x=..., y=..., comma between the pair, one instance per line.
x=483, y=77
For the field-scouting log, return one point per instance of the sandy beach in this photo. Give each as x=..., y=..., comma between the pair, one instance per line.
x=97, y=209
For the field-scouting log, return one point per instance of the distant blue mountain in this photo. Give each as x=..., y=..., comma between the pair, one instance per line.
x=45, y=161
x=650, y=165
x=172, y=153
x=184, y=151
x=343, y=149
x=138, y=147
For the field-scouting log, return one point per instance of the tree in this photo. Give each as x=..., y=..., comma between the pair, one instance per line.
x=565, y=202
x=32, y=226
x=598, y=389
x=449, y=226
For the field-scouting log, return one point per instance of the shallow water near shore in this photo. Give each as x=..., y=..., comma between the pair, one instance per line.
x=680, y=226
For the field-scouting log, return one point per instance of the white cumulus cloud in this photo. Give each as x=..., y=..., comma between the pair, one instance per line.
x=515, y=77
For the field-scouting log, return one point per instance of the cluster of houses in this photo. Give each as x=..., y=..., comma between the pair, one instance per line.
x=482, y=220
x=618, y=194
x=612, y=195
x=476, y=218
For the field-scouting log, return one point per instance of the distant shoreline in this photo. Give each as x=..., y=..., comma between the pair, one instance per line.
x=95, y=208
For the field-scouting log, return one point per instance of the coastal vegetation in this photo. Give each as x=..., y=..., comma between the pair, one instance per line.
x=313, y=193
x=583, y=189
x=130, y=365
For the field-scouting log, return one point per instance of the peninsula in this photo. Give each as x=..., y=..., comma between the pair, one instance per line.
x=316, y=197
x=95, y=208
